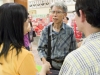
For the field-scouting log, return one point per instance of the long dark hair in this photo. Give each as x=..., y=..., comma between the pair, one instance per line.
x=12, y=18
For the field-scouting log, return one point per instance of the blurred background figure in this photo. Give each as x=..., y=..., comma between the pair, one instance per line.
x=65, y=20
x=27, y=29
x=31, y=33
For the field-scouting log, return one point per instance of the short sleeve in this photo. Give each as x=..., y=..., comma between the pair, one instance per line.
x=28, y=66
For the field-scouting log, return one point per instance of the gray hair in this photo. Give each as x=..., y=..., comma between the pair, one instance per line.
x=60, y=4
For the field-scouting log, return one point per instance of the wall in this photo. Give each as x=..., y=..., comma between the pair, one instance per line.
x=5, y=1
x=1, y=2
x=71, y=8
x=69, y=3
x=42, y=10
x=23, y=2
x=46, y=10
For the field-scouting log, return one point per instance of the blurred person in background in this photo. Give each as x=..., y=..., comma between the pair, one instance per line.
x=65, y=20
x=27, y=29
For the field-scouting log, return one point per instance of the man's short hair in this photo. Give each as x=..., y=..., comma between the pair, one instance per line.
x=60, y=4
x=91, y=9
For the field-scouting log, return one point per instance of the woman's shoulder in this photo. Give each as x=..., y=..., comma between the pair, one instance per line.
x=21, y=55
x=24, y=52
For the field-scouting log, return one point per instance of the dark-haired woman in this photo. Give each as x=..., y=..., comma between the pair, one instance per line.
x=14, y=58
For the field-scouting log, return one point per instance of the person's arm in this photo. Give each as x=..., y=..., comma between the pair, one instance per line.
x=43, y=60
x=42, y=45
x=73, y=44
x=45, y=69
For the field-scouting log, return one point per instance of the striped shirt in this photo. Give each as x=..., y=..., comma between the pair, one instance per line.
x=84, y=60
x=61, y=42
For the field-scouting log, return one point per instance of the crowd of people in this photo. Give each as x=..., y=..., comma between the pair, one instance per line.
x=57, y=45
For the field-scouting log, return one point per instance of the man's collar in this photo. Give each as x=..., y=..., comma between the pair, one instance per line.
x=91, y=37
x=62, y=26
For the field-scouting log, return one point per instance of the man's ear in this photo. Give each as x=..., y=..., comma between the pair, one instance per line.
x=82, y=15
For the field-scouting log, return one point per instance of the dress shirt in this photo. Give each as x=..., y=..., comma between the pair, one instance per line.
x=85, y=60
x=62, y=42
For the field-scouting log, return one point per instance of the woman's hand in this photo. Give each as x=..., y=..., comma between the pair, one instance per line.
x=45, y=68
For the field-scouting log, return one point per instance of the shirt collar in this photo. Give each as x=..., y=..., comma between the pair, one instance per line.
x=51, y=29
x=91, y=37
x=62, y=26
